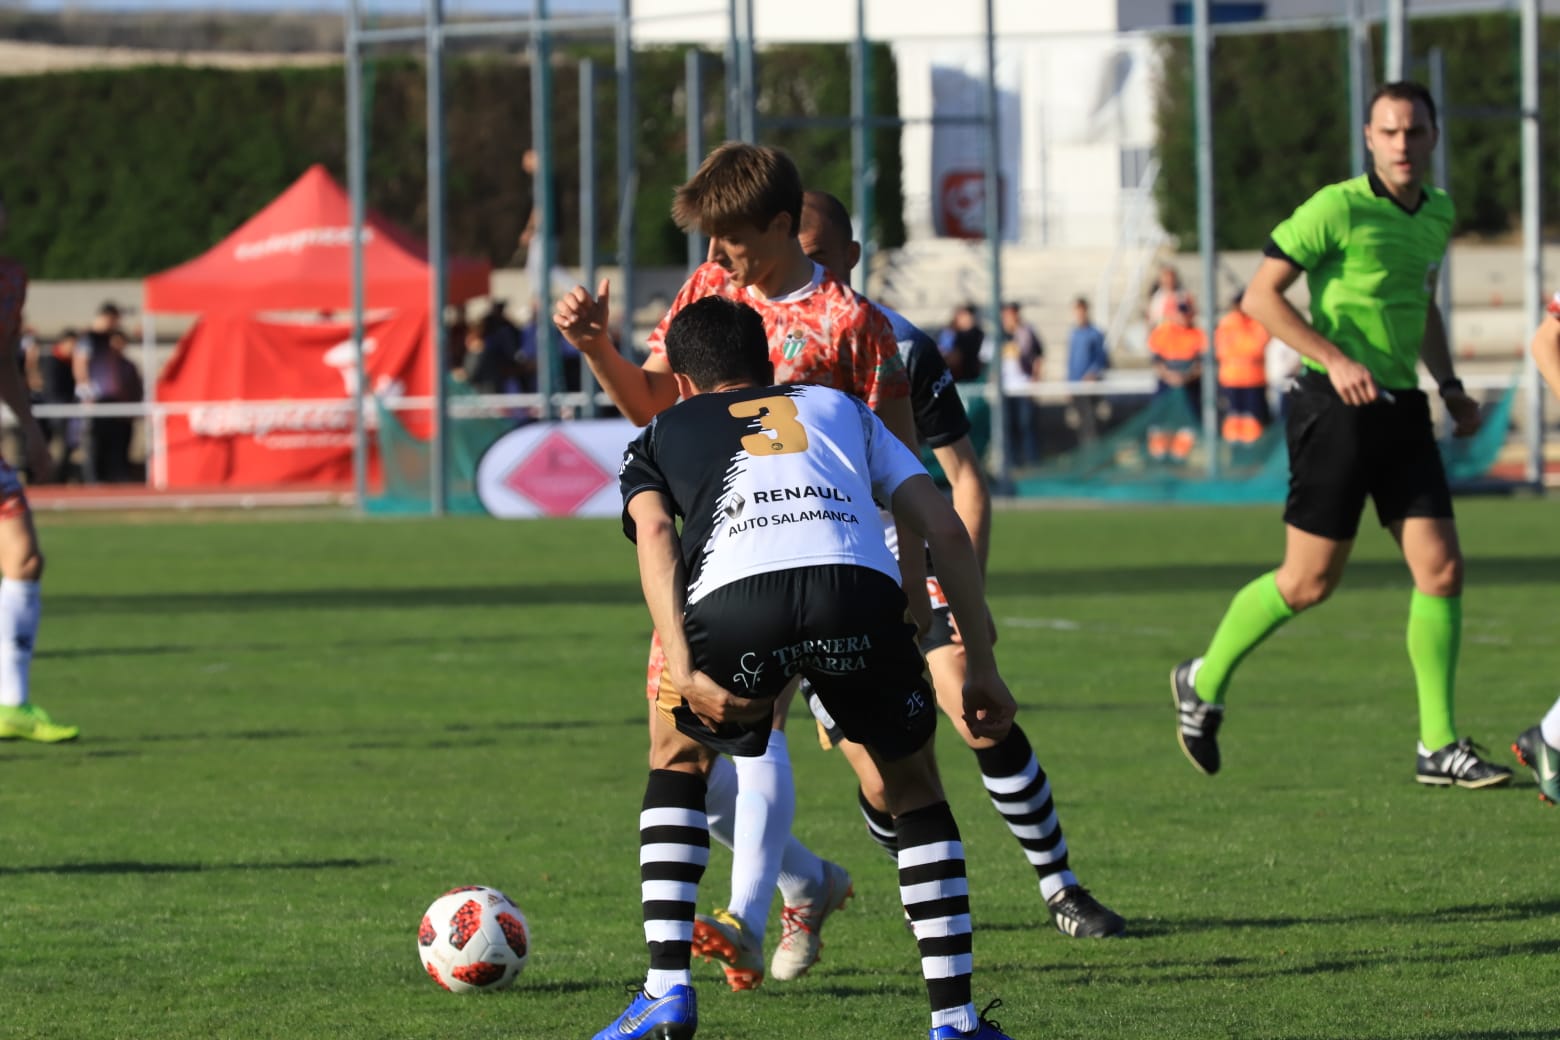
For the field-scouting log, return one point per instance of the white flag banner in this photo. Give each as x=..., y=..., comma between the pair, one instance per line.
x=959, y=149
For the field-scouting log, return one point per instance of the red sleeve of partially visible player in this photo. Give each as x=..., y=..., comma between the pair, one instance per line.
x=707, y=280
x=877, y=369
x=1553, y=307
x=13, y=296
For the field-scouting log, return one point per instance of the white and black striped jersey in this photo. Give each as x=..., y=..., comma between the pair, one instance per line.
x=940, y=418
x=770, y=478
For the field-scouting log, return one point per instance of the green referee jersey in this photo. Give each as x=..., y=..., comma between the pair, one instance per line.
x=1372, y=267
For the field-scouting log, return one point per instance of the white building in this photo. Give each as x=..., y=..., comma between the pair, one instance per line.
x=1076, y=81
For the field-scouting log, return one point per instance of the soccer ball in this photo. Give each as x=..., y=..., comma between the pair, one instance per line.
x=473, y=940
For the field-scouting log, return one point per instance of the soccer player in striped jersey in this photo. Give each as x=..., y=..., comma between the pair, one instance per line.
x=748, y=199
x=1539, y=747
x=1012, y=775
x=779, y=570
x=1359, y=427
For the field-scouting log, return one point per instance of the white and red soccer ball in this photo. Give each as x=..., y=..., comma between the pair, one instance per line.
x=473, y=940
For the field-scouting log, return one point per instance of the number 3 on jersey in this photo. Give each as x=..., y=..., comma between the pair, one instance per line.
x=777, y=416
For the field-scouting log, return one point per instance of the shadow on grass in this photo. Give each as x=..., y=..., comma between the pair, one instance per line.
x=149, y=867
x=209, y=649
x=377, y=739
x=249, y=601
x=1474, y=912
x=1204, y=577
x=1471, y=1034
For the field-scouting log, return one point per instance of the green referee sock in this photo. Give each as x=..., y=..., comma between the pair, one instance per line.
x=1434, y=636
x=1255, y=612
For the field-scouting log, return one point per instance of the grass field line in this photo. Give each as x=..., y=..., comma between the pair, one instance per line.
x=1156, y=632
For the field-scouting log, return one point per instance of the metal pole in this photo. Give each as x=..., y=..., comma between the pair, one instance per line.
x=693, y=75
x=1532, y=230
x=862, y=164
x=588, y=220
x=1441, y=171
x=438, y=453
x=1397, y=41
x=149, y=392
x=628, y=174
x=542, y=192
x=734, y=10
x=355, y=189
x=1202, y=63
x=1359, y=44
x=749, y=77
x=999, y=456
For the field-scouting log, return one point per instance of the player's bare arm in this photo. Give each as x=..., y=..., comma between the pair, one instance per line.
x=1546, y=352
x=1436, y=353
x=988, y=706
x=665, y=584
x=1265, y=300
x=640, y=393
x=971, y=493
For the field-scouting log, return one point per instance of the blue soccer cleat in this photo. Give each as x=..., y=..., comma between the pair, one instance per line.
x=672, y=1017
x=985, y=1029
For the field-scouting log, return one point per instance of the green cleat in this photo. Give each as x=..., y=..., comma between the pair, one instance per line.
x=1535, y=753
x=30, y=722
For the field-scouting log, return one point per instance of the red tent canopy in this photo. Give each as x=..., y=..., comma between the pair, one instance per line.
x=296, y=255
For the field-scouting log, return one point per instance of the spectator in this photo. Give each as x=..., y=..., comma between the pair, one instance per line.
x=494, y=363
x=1023, y=356
x=1178, y=346
x=960, y=343
x=51, y=381
x=531, y=237
x=1087, y=362
x=1241, y=343
x=104, y=374
x=1167, y=297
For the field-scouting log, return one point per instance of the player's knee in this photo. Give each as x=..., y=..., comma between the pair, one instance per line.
x=1305, y=589
x=1443, y=577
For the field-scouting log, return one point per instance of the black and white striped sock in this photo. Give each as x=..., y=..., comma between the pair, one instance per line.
x=936, y=896
x=674, y=848
x=880, y=826
x=1022, y=794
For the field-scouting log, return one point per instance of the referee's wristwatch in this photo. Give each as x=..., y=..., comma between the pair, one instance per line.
x=1451, y=386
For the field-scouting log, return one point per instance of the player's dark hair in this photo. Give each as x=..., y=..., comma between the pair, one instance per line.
x=739, y=186
x=716, y=340
x=830, y=210
x=1404, y=90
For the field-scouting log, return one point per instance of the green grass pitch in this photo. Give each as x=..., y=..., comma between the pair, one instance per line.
x=298, y=732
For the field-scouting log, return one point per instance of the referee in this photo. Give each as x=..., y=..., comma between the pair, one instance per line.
x=1358, y=427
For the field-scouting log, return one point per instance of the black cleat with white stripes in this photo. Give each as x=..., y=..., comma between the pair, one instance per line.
x=1197, y=721
x=1077, y=913
x=1459, y=763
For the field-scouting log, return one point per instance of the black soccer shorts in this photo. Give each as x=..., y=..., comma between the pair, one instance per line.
x=842, y=627
x=1339, y=454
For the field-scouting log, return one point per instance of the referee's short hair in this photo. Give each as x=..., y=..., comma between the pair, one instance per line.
x=1404, y=90
x=716, y=340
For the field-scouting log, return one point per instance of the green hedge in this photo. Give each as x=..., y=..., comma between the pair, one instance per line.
x=1283, y=128
x=120, y=173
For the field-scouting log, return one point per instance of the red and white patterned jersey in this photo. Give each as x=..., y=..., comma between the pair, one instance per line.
x=823, y=333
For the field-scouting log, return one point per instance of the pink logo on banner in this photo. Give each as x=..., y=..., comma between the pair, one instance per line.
x=557, y=476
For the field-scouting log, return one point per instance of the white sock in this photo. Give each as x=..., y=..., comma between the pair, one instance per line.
x=659, y=983
x=1551, y=726
x=801, y=869
x=19, y=611
x=766, y=805
x=720, y=801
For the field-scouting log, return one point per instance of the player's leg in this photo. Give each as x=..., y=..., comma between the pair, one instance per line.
x=1020, y=791
x=1538, y=748
x=752, y=807
x=1328, y=483
x=674, y=849
x=21, y=571
x=1414, y=503
x=1434, y=556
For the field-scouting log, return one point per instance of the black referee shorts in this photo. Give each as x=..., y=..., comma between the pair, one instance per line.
x=842, y=627
x=1339, y=454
